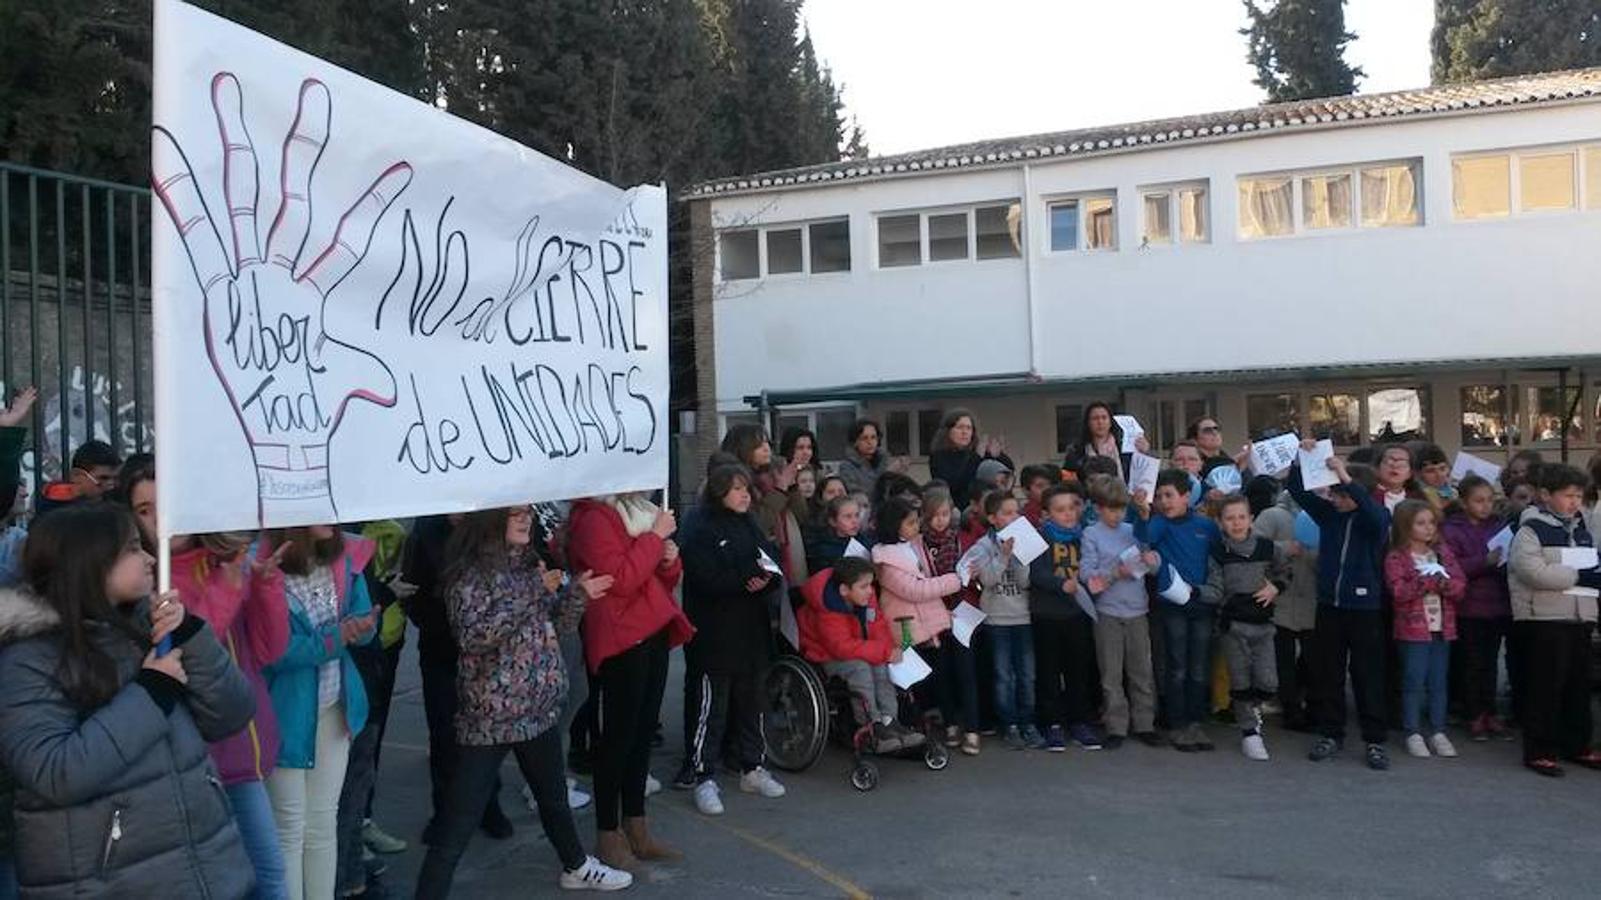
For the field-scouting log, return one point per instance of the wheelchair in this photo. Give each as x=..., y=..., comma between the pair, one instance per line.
x=805, y=708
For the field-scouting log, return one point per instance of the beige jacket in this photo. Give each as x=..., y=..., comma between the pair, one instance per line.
x=1537, y=577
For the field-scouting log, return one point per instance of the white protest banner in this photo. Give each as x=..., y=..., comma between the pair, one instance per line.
x=1274, y=455
x=366, y=308
x=1142, y=474
x=1466, y=464
x=1315, y=471
x=1132, y=429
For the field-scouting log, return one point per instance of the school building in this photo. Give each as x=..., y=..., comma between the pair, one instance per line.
x=1419, y=263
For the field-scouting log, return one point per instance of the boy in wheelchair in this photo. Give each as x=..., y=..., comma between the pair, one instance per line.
x=843, y=631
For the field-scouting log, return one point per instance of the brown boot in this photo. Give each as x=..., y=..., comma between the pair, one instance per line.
x=646, y=847
x=612, y=848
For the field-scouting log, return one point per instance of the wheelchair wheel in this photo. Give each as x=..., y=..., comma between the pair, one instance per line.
x=796, y=724
x=864, y=777
x=935, y=756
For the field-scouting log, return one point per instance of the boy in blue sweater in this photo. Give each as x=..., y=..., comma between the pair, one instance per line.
x=1113, y=566
x=1182, y=538
x=1353, y=529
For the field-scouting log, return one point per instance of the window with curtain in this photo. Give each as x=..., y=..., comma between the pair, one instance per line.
x=1389, y=196
x=1337, y=417
x=1156, y=223
x=1398, y=414
x=1193, y=216
x=900, y=241
x=1484, y=416
x=1481, y=187
x=1326, y=201
x=1546, y=181
x=1267, y=207
x=1100, y=223
x=784, y=255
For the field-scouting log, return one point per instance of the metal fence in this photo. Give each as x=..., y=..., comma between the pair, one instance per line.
x=75, y=312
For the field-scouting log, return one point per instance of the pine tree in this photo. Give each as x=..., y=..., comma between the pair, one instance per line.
x=1478, y=39
x=1298, y=49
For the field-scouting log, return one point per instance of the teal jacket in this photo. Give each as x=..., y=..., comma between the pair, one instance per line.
x=292, y=680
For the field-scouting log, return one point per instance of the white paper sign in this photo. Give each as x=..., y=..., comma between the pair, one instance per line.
x=1502, y=542
x=965, y=619
x=766, y=562
x=1315, y=471
x=855, y=548
x=1178, y=592
x=1133, y=559
x=1142, y=472
x=1026, y=541
x=1274, y=455
x=1131, y=429
x=1466, y=463
x=1580, y=558
x=366, y=308
x=910, y=670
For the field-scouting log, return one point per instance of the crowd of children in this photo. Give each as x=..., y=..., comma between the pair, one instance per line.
x=1223, y=594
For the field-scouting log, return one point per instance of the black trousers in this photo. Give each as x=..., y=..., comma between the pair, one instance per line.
x=1480, y=641
x=1292, y=649
x=1061, y=683
x=1557, y=723
x=727, y=704
x=1349, y=640
x=439, y=707
x=476, y=779
x=631, y=685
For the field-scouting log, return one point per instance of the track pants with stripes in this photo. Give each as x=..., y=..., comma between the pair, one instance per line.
x=725, y=703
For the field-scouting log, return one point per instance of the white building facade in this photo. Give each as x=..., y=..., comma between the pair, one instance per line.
x=1419, y=264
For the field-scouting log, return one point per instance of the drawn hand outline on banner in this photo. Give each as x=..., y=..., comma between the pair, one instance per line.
x=287, y=379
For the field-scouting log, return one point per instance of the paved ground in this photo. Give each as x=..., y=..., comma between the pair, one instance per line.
x=1135, y=822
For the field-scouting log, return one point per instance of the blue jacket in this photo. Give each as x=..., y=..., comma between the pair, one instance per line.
x=1351, y=545
x=1184, y=543
x=292, y=680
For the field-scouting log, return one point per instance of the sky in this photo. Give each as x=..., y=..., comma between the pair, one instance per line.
x=928, y=73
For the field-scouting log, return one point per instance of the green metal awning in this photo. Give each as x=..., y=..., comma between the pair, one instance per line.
x=1023, y=383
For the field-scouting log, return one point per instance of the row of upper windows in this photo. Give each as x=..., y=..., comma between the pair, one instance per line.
x=1281, y=204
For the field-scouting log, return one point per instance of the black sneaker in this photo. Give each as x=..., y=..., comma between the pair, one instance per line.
x=496, y=825
x=685, y=780
x=1324, y=749
x=1150, y=738
x=1113, y=741
x=1378, y=759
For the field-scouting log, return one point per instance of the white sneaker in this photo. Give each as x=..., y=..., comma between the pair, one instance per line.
x=1254, y=747
x=1416, y=746
x=652, y=786
x=595, y=875
x=761, y=781
x=708, y=799
x=577, y=798
x=1442, y=745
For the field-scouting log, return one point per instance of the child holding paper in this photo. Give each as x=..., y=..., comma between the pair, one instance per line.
x=1554, y=582
x=908, y=588
x=842, y=524
x=1425, y=584
x=1002, y=580
x=1064, y=633
x=1295, y=536
x=843, y=629
x=1353, y=528
x=1245, y=575
x=1484, y=616
x=1182, y=539
x=1114, y=566
x=956, y=668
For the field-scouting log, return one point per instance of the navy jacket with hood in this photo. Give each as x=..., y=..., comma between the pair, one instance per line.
x=1351, y=545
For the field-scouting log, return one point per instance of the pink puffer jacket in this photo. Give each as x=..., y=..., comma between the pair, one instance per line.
x=907, y=589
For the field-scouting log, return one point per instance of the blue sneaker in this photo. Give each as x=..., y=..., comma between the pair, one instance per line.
x=1014, y=738
x=1033, y=738
x=1055, y=740
x=1085, y=736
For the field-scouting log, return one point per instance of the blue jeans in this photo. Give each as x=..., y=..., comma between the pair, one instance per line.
x=8, y=880
x=252, y=812
x=1424, y=667
x=1187, y=680
x=1014, y=673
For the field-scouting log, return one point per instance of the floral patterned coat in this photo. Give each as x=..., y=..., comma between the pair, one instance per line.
x=509, y=679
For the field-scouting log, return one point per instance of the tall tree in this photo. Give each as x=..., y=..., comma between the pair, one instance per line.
x=1478, y=39
x=1298, y=49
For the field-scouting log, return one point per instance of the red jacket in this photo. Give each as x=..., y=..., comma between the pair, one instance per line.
x=1408, y=588
x=640, y=602
x=831, y=630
